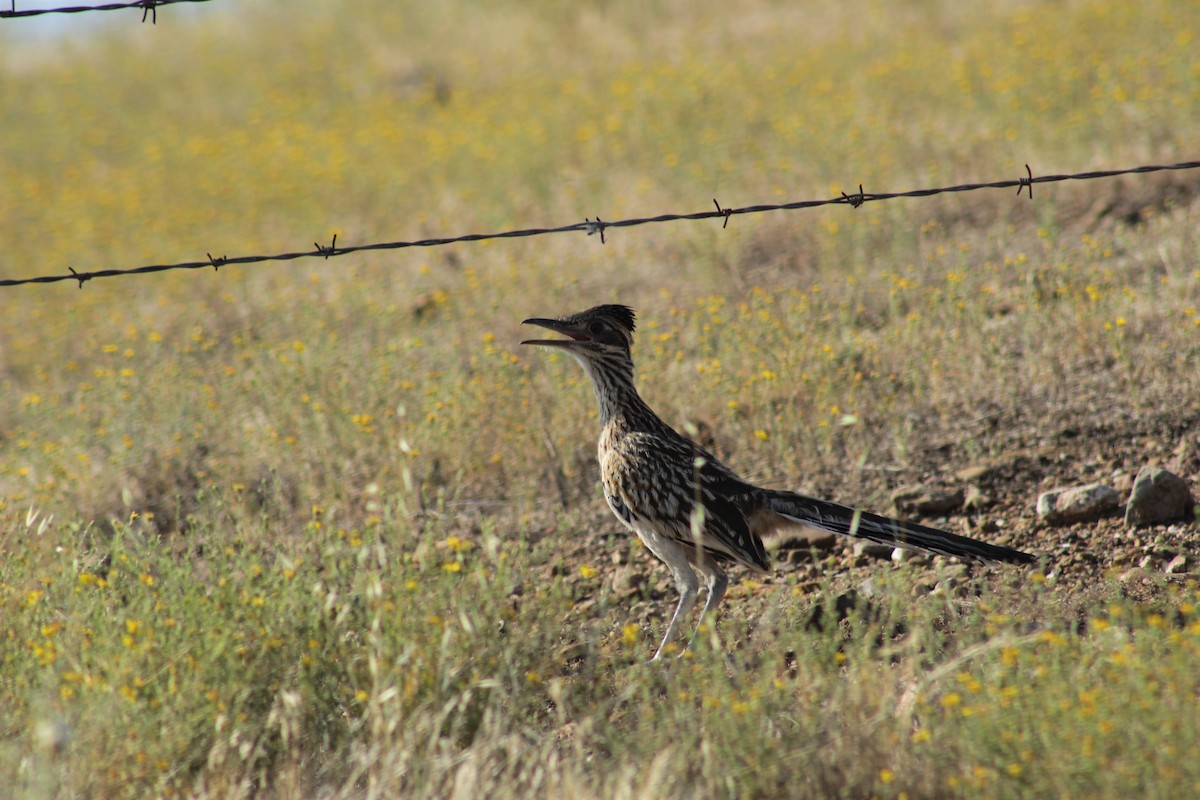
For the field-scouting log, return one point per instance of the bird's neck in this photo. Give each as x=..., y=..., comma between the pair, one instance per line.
x=616, y=395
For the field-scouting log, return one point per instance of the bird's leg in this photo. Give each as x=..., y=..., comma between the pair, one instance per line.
x=671, y=554
x=717, y=582
x=689, y=587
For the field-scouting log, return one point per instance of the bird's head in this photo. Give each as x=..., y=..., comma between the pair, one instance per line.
x=599, y=334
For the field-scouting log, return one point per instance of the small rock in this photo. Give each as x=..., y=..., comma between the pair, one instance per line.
x=926, y=499
x=873, y=549
x=1147, y=562
x=1177, y=565
x=901, y=555
x=1077, y=504
x=975, y=472
x=976, y=500
x=1158, y=496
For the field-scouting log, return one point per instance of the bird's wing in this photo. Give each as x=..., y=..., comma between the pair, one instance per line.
x=657, y=481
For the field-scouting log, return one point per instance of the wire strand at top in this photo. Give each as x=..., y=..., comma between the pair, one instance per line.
x=149, y=7
x=598, y=226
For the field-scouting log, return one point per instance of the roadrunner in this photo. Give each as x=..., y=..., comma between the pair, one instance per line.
x=689, y=509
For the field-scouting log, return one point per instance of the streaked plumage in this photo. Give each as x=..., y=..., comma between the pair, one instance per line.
x=653, y=478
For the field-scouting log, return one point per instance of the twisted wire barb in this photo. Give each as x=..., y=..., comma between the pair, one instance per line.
x=149, y=7
x=598, y=226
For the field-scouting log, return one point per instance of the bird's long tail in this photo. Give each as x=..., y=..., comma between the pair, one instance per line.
x=813, y=513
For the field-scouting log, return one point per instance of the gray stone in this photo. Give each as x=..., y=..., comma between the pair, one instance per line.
x=927, y=499
x=902, y=555
x=1077, y=504
x=873, y=549
x=1158, y=496
x=1177, y=565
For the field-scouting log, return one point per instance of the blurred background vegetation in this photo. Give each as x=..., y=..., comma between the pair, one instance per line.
x=368, y=421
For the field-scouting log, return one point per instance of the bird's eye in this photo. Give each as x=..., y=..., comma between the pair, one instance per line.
x=595, y=327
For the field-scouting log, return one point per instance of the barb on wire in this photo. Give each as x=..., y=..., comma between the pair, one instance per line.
x=855, y=200
x=723, y=212
x=147, y=6
x=590, y=226
x=595, y=227
x=1026, y=182
x=326, y=252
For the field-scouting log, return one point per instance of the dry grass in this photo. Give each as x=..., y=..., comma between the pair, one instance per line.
x=323, y=530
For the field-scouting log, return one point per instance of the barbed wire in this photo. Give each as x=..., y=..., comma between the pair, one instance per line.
x=149, y=7
x=598, y=226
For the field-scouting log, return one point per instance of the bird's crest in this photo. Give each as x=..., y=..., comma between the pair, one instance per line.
x=622, y=315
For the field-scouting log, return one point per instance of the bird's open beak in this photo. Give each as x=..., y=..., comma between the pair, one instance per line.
x=557, y=327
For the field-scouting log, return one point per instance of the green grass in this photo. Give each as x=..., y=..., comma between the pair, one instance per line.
x=321, y=529
x=428, y=664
